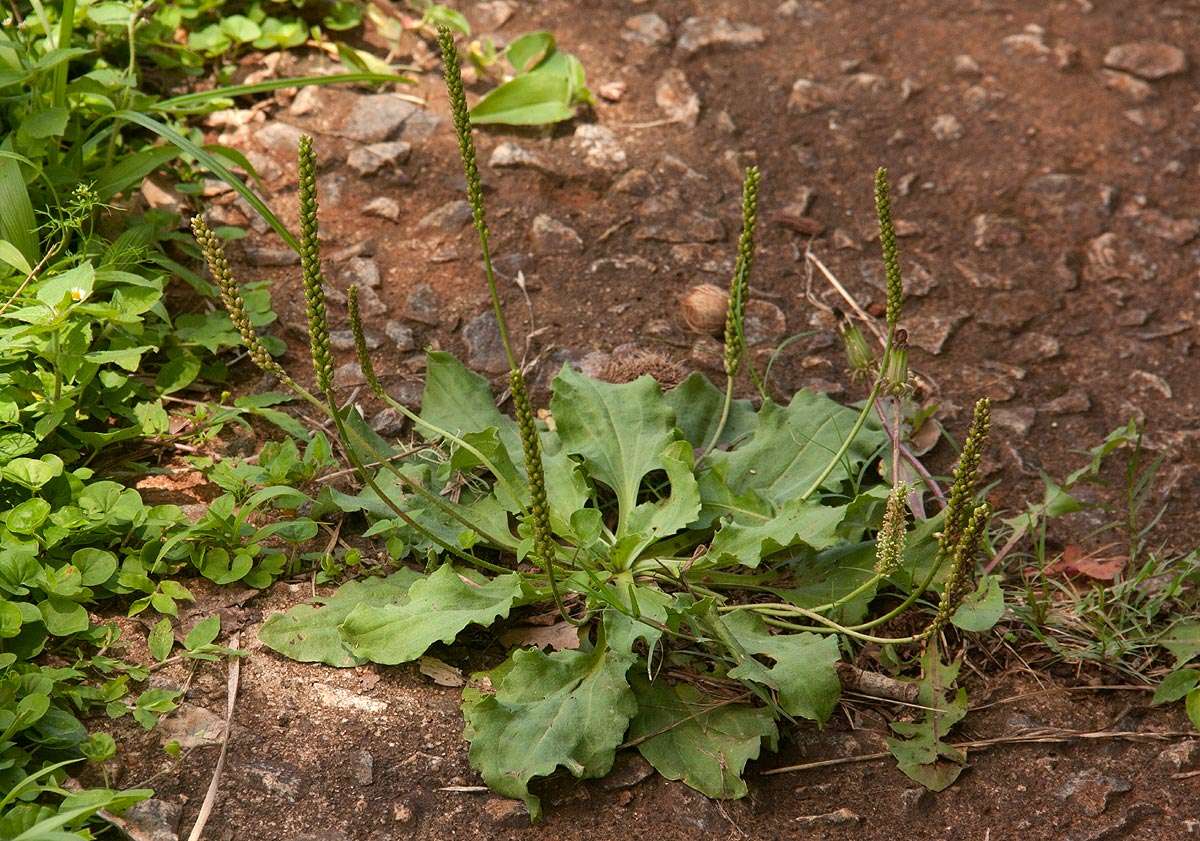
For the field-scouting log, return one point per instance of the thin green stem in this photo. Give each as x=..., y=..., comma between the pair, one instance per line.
x=841, y=453
x=830, y=626
x=724, y=419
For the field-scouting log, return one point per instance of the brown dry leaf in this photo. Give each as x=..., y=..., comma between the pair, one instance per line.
x=559, y=637
x=1075, y=561
x=443, y=674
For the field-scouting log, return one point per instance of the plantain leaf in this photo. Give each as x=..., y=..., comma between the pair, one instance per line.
x=622, y=431
x=568, y=709
x=805, y=670
x=697, y=405
x=792, y=445
x=1182, y=640
x=747, y=541
x=922, y=753
x=532, y=99
x=310, y=633
x=983, y=608
x=702, y=741
x=436, y=610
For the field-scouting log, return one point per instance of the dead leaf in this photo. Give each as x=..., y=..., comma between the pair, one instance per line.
x=1074, y=561
x=559, y=637
x=443, y=674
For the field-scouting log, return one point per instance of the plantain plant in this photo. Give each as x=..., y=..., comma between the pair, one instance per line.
x=715, y=559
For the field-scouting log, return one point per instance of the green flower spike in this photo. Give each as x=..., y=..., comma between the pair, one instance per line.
x=739, y=287
x=310, y=267
x=959, y=579
x=966, y=478
x=889, y=544
x=360, y=343
x=891, y=253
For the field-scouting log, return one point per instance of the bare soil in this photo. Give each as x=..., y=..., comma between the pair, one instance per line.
x=1049, y=225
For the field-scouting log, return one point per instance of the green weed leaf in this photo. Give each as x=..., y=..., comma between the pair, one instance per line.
x=982, y=609
x=436, y=610
x=569, y=709
x=805, y=669
x=702, y=741
x=1176, y=685
x=922, y=752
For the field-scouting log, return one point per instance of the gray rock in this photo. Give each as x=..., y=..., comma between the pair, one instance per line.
x=765, y=322
x=672, y=226
x=401, y=336
x=448, y=218
x=307, y=101
x=421, y=126
x=808, y=96
x=946, y=127
x=267, y=255
x=388, y=422
x=369, y=159
x=485, y=351
x=192, y=726
x=348, y=374
x=549, y=236
x=275, y=777
x=992, y=231
x=493, y=14
x=344, y=339
x=506, y=813
x=931, y=332
x=599, y=148
x=702, y=33
x=1090, y=790
x=362, y=768
x=369, y=302
x=1016, y=422
x=1148, y=59
x=1132, y=87
x=628, y=770
x=965, y=65
x=279, y=138
x=1074, y=402
x=648, y=29
x=377, y=117
x=636, y=182
x=677, y=98
x=424, y=305
x=154, y=820
x=509, y=155
x=361, y=272
x=384, y=208
x=1034, y=347
x=1182, y=756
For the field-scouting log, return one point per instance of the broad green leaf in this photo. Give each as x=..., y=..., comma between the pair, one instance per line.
x=44, y=123
x=569, y=709
x=240, y=28
x=922, y=753
x=74, y=284
x=127, y=358
x=161, y=640
x=621, y=430
x=437, y=609
x=797, y=523
x=1192, y=706
x=805, y=670
x=203, y=633
x=697, y=405
x=458, y=400
x=982, y=609
x=62, y=616
x=1176, y=685
x=831, y=575
x=12, y=256
x=1183, y=640
x=527, y=51
x=660, y=519
x=310, y=633
x=28, y=516
x=33, y=473
x=95, y=566
x=792, y=445
x=18, y=224
x=533, y=99
x=703, y=741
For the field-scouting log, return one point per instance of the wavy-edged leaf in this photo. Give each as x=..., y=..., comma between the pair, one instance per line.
x=748, y=541
x=705, y=742
x=983, y=608
x=621, y=430
x=791, y=446
x=805, y=669
x=697, y=405
x=436, y=610
x=568, y=709
x=309, y=633
x=922, y=752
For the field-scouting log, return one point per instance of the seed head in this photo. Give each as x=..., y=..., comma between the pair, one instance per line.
x=310, y=267
x=889, y=543
x=891, y=254
x=360, y=342
x=739, y=287
x=966, y=478
x=859, y=357
x=959, y=580
x=539, y=507
x=231, y=298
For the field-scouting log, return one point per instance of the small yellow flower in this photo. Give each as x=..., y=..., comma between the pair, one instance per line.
x=78, y=293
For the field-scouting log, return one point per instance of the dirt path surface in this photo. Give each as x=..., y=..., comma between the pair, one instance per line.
x=1044, y=157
